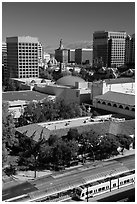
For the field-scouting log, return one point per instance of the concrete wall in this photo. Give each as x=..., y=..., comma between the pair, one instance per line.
x=61, y=92
x=96, y=89
x=81, y=85
x=84, y=98
x=70, y=96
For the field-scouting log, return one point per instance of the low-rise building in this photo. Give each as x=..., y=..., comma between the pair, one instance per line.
x=28, y=83
x=121, y=85
x=18, y=100
x=116, y=102
x=84, y=124
x=68, y=88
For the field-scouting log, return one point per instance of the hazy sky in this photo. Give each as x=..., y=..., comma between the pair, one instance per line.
x=71, y=21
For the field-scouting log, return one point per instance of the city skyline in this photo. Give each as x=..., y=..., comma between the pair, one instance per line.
x=74, y=22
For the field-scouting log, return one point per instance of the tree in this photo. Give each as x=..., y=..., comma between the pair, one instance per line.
x=29, y=155
x=124, y=140
x=108, y=145
x=9, y=85
x=73, y=134
x=8, y=127
x=52, y=139
x=4, y=154
x=49, y=111
x=45, y=155
x=8, y=132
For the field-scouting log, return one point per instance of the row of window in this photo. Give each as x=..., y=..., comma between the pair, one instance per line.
x=26, y=51
x=28, y=56
x=116, y=105
x=30, y=67
x=30, y=53
x=28, y=76
x=28, y=60
x=107, y=187
x=30, y=63
x=26, y=44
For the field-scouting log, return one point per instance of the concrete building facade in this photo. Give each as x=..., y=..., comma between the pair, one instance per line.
x=83, y=55
x=110, y=47
x=22, y=57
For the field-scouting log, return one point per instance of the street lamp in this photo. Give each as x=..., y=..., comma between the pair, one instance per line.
x=92, y=152
x=35, y=171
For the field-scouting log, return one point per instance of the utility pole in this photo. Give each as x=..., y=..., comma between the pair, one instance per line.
x=87, y=193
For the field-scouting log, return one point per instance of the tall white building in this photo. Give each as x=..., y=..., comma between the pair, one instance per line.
x=22, y=57
x=46, y=57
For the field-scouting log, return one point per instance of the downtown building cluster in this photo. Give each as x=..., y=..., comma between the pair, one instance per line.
x=22, y=56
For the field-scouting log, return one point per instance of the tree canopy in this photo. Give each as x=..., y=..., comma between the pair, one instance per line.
x=8, y=131
x=49, y=111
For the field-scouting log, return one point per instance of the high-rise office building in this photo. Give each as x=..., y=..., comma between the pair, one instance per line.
x=83, y=56
x=40, y=54
x=4, y=60
x=130, y=49
x=71, y=55
x=109, y=47
x=22, y=57
x=133, y=49
x=61, y=54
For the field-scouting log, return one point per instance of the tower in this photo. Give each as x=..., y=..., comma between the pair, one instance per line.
x=22, y=57
x=61, y=54
x=110, y=47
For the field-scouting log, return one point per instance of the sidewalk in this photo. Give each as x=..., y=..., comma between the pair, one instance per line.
x=125, y=153
x=29, y=175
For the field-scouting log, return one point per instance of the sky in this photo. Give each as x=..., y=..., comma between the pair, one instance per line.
x=71, y=21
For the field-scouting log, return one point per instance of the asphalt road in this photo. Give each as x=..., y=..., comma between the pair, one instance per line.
x=82, y=174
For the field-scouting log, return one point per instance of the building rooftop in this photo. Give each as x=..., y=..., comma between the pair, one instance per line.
x=69, y=80
x=35, y=131
x=30, y=79
x=119, y=80
x=122, y=98
x=23, y=96
x=60, y=128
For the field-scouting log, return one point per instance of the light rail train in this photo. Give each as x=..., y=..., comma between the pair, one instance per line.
x=84, y=191
x=105, y=185
x=81, y=183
